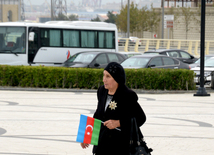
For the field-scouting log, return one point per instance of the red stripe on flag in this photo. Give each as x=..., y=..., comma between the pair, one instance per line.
x=68, y=56
x=89, y=130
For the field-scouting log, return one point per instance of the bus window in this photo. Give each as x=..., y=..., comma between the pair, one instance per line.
x=71, y=38
x=55, y=38
x=2, y=43
x=101, y=39
x=89, y=39
x=109, y=40
x=13, y=40
x=106, y=40
x=51, y=37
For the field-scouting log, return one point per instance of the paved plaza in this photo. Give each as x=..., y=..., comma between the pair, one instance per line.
x=43, y=122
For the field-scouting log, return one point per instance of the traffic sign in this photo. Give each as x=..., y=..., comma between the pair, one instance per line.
x=168, y=17
x=165, y=24
x=169, y=24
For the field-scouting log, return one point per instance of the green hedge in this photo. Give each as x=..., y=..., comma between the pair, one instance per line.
x=61, y=77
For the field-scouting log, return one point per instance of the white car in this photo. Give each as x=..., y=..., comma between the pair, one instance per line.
x=134, y=39
x=208, y=68
x=197, y=63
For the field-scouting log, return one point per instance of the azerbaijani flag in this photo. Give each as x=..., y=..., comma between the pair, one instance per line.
x=89, y=130
x=68, y=54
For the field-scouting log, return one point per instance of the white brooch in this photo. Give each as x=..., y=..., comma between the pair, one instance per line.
x=112, y=105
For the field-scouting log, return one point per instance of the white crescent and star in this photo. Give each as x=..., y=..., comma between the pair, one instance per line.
x=89, y=126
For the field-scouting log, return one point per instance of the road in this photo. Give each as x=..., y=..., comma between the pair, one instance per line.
x=42, y=122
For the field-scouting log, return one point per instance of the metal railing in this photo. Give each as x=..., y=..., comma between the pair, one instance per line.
x=142, y=45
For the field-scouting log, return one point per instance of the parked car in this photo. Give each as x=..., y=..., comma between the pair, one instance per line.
x=130, y=54
x=153, y=61
x=122, y=41
x=197, y=63
x=175, y=53
x=208, y=68
x=132, y=41
x=93, y=59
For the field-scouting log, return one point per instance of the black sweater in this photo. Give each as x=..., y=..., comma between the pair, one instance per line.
x=116, y=142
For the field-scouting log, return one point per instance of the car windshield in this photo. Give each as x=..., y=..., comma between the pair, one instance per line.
x=82, y=57
x=209, y=63
x=205, y=58
x=135, y=62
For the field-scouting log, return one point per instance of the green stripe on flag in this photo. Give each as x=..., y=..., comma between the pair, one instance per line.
x=96, y=132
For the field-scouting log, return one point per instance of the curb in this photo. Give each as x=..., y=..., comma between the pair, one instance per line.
x=138, y=91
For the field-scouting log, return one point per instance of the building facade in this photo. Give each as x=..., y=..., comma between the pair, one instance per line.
x=9, y=10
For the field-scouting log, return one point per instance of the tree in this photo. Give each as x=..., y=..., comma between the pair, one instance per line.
x=111, y=17
x=64, y=17
x=143, y=19
x=198, y=18
x=73, y=17
x=188, y=17
x=97, y=19
x=153, y=19
x=121, y=20
x=61, y=17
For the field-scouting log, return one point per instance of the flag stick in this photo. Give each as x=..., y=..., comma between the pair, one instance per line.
x=115, y=128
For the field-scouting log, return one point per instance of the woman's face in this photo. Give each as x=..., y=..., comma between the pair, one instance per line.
x=109, y=81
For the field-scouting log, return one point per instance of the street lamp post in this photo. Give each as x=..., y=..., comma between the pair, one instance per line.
x=201, y=90
x=163, y=19
x=1, y=10
x=128, y=18
x=52, y=17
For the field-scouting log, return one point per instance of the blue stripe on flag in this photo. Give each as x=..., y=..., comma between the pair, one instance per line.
x=82, y=126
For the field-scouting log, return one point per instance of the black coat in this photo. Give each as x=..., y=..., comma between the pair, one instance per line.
x=114, y=142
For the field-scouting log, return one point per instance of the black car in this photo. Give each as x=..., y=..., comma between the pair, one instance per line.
x=153, y=61
x=175, y=53
x=93, y=59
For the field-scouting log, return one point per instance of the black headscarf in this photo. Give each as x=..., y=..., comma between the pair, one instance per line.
x=117, y=72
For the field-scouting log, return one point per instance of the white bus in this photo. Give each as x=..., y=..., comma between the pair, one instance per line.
x=52, y=43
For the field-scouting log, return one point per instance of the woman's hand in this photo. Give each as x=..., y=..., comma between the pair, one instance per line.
x=112, y=124
x=84, y=145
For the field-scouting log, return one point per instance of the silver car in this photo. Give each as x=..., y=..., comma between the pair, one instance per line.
x=208, y=68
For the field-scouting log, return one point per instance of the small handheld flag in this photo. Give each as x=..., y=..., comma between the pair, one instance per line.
x=89, y=130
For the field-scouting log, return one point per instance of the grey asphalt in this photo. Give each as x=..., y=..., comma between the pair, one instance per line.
x=45, y=121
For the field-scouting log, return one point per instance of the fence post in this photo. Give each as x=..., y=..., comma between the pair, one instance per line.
x=190, y=47
x=168, y=44
x=147, y=46
x=179, y=44
x=207, y=48
x=126, y=45
x=196, y=48
x=136, y=45
x=157, y=44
